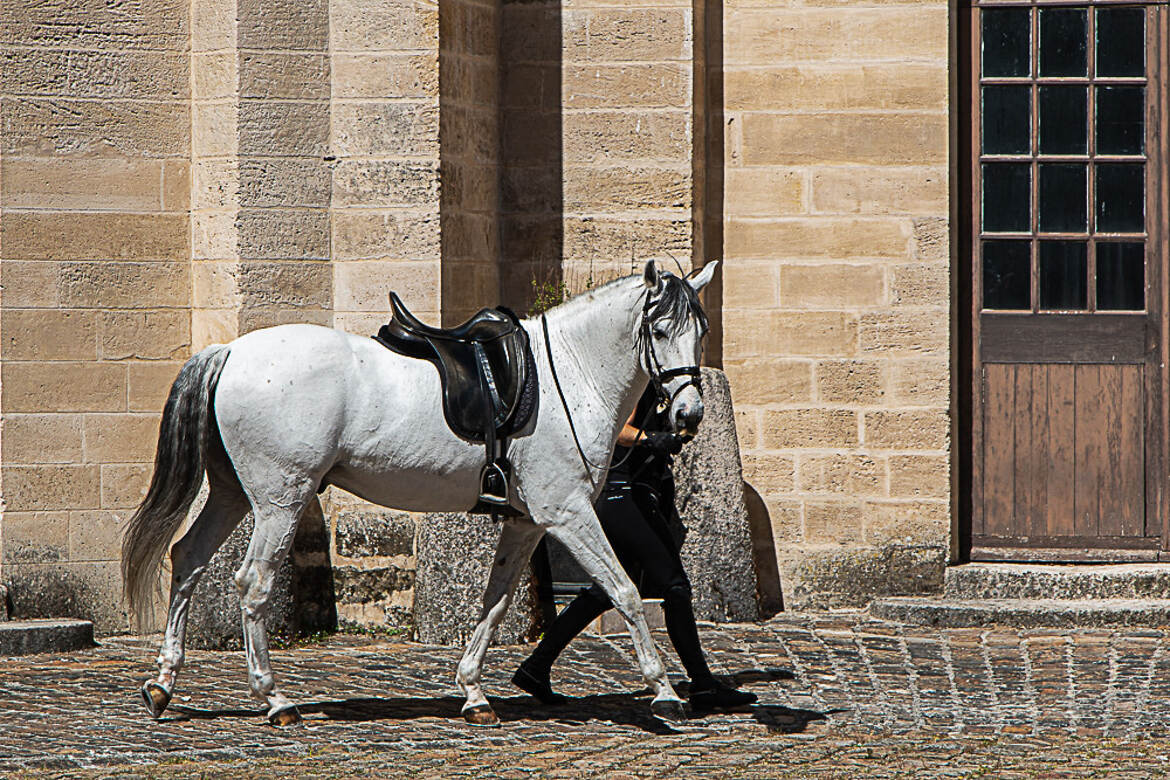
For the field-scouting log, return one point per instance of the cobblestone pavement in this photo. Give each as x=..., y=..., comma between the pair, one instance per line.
x=840, y=696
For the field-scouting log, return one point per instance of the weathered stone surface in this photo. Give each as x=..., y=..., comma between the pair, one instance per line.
x=717, y=551
x=455, y=554
x=1023, y=613
x=374, y=533
x=23, y=637
x=303, y=600
x=1066, y=582
x=365, y=586
x=821, y=578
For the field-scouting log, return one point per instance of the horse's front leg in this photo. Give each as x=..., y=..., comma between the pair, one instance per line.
x=580, y=532
x=517, y=541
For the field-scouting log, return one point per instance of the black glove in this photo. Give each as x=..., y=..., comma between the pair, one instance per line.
x=663, y=442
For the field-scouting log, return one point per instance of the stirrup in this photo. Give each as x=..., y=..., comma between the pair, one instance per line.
x=493, y=484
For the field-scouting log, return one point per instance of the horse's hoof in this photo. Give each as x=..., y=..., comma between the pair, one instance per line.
x=287, y=716
x=156, y=698
x=481, y=715
x=669, y=709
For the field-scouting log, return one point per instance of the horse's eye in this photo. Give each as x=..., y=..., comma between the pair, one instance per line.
x=660, y=331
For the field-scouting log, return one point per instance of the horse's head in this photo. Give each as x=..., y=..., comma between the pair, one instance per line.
x=671, y=334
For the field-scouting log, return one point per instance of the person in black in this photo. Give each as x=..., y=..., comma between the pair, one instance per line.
x=636, y=510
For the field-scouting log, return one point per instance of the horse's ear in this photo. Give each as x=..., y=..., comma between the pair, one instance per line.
x=650, y=277
x=700, y=280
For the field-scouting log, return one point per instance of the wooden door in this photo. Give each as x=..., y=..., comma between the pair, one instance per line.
x=1067, y=257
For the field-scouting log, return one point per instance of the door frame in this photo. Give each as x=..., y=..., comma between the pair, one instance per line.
x=968, y=375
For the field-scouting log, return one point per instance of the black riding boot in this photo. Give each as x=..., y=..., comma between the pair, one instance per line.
x=533, y=674
x=707, y=693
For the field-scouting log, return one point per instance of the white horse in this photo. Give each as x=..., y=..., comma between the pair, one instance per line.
x=277, y=412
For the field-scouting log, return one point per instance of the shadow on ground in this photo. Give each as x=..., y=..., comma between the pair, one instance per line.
x=630, y=709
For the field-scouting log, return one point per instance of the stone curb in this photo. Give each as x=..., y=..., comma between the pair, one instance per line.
x=24, y=637
x=1023, y=613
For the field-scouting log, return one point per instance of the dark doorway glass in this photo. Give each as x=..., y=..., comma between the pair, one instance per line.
x=1006, y=38
x=1062, y=197
x=1063, y=272
x=1064, y=42
x=1121, y=276
x=1121, y=41
x=1121, y=198
x=1064, y=120
x=1007, y=274
x=1121, y=120
x=1006, y=197
x=1007, y=120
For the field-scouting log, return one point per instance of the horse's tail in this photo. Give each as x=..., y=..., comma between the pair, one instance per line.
x=179, y=463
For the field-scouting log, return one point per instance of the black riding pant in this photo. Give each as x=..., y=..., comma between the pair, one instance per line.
x=632, y=519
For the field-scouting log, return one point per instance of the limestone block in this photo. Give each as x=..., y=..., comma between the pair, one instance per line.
x=768, y=473
x=383, y=235
x=286, y=284
x=365, y=286
x=303, y=600
x=815, y=333
x=850, y=381
x=788, y=428
x=30, y=284
x=123, y=485
x=41, y=438
x=288, y=183
x=214, y=74
x=831, y=237
x=283, y=234
x=124, y=285
x=832, y=286
x=917, y=429
x=103, y=236
x=751, y=284
x=385, y=183
x=283, y=24
x=904, y=333
x=35, y=537
x=618, y=188
x=96, y=74
x=386, y=129
x=770, y=380
x=717, y=551
x=132, y=185
x=851, y=577
x=604, y=136
x=765, y=192
x=49, y=127
x=627, y=34
x=920, y=382
x=842, y=474
x=920, y=476
x=149, y=384
x=276, y=128
x=932, y=236
x=786, y=139
x=832, y=522
x=920, y=284
x=383, y=75
x=839, y=86
x=884, y=189
x=96, y=534
x=214, y=129
x=629, y=85
x=38, y=334
x=89, y=24
x=455, y=554
x=590, y=238
x=847, y=34
x=384, y=26
x=284, y=76
x=146, y=334
x=64, y=387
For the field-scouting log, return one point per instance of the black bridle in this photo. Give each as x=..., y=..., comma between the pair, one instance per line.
x=658, y=377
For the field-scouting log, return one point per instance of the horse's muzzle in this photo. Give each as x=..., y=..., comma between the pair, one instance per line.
x=687, y=416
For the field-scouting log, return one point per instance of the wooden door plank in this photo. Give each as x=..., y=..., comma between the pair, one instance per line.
x=999, y=449
x=1131, y=460
x=1062, y=456
x=1031, y=449
x=1111, y=451
x=1086, y=493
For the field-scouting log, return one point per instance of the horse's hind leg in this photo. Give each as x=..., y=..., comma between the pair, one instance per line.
x=587, y=543
x=226, y=506
x=275, y=527
x=517, y=541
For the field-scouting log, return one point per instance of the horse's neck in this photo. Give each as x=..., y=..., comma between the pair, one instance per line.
x=597, y=336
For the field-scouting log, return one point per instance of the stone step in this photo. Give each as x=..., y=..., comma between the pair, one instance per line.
x=1057, y=581
x=24, y=637
x=1022, y=613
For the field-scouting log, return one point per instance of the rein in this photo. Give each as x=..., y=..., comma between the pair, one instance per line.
x=657, y=376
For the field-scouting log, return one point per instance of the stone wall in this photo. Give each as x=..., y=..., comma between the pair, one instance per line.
x=95, y=100
x=836, y=287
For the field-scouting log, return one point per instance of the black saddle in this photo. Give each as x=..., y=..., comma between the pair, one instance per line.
x=488, y=376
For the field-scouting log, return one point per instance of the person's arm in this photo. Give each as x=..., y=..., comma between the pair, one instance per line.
x=658, y=440
x=629, y=435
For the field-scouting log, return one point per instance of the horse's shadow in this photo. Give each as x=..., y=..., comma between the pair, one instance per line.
x=628, y=709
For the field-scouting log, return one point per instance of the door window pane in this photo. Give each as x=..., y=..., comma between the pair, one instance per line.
x=1063, y=270
x=1006, y=274
x=1006, y=36
x=1062, y=197
x=1063, y=42
x=1121, y=126
x=1121, y=42
x=1120, y=198
x=1121, y=276
x=1064, y=117
x=1007, y=197
x=1007, y=120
